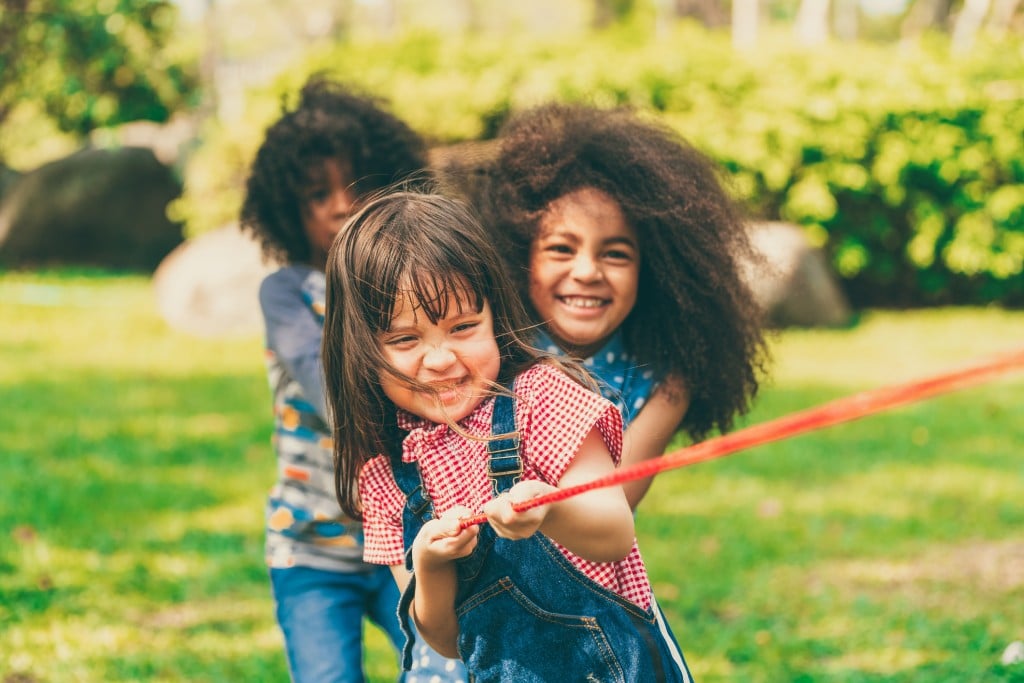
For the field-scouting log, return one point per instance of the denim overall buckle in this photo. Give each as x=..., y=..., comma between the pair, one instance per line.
x=508, y=468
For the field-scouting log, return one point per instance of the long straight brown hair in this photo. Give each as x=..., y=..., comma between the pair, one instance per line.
x=436, y=246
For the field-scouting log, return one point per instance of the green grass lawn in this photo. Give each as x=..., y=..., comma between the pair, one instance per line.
x=134, y=461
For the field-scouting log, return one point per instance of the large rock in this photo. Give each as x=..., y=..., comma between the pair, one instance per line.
x=8, y=179
x=97, y=207
x=794, y=285
x=209, y=286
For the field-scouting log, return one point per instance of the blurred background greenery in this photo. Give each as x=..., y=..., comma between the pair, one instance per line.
x=891, y=131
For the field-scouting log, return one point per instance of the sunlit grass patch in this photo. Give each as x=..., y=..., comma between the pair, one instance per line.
x=885, y=660
x=887, y=347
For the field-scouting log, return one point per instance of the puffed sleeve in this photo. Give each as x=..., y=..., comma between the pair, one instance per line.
x=555, y=415
x=382, y=503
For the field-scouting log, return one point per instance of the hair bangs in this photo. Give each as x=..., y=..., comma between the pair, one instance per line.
x=435, y=293
x=432, y=277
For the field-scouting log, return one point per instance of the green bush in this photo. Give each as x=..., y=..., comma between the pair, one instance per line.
x=905, y=163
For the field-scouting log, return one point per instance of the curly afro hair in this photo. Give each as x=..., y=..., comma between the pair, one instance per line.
x=695, y=317
x=331, y=121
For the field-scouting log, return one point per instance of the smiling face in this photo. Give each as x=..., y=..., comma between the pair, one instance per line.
x=328, y=202
x=584, y=270
x=457, y=356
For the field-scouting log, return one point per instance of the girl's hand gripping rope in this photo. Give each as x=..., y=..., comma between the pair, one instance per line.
x=444, y=540
x=510, y=522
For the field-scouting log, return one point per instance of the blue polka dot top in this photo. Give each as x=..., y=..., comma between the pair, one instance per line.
x=621, y=379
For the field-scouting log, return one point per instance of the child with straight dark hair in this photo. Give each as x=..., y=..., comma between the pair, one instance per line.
x=627, y=250
x=315, y=164
x=441, y=409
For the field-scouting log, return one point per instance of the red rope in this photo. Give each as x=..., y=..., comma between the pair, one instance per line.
x=828, y=414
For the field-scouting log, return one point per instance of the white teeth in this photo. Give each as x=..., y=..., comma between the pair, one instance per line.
x=583, y=302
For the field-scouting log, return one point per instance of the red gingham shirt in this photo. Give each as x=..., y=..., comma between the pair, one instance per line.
x=554, y=414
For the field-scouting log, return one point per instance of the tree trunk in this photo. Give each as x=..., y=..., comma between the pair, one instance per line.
x=604, y=14
x=710, y=13
x=210, y=104
x=1001, y=16
x=926, y=14
x=745, y=17
x=341, y=20
x=389, y=17
x=607, y=12
x=811, y=26
x=663, y=16
x=967, y=24
x=470, y=16
x=846, y=20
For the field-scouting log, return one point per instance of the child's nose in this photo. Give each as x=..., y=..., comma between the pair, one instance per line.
x=438, y=358
x=341, y=206
x=586, y=268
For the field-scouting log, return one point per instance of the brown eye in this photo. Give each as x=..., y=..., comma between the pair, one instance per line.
x=619, y=255
x=317, y=196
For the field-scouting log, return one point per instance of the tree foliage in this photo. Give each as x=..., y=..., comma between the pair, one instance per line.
x=92, y=63
x=905, y=166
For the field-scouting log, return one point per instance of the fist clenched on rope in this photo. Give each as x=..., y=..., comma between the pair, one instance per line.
x=509, y=522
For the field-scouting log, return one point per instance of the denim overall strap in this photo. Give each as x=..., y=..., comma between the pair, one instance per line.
x=418, y=506
x=419, y=509
x=504, y=467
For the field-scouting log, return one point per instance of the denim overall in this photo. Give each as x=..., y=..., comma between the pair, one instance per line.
x=525, y=613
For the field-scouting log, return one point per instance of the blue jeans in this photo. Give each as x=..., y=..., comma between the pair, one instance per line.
x=321, y=616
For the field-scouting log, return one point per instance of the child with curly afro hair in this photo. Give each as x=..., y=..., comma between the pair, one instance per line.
x=627, y=251
x=332, y=126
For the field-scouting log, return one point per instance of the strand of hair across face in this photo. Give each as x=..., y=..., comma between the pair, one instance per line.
x=828, y=414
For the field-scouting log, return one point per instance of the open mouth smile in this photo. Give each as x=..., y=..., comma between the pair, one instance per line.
x=583, y=301
x=451, y=390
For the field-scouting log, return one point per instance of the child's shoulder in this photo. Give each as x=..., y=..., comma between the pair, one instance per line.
x=540, y=376
x=556, y=413
x=375, y=472
x=549, y=381
x=293, y=277
x=294, y=272
x=291, y=289
x=376, y=464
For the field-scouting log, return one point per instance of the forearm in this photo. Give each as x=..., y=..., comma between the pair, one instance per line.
x=596, y=527
x=437, y=546
x=433, y=609
x=650, y=433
